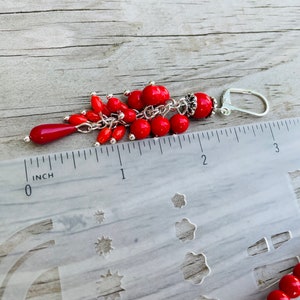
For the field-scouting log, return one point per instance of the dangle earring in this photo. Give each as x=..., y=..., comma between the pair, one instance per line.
x=150, y=111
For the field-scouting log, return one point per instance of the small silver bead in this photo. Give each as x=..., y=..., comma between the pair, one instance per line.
x=113, y=141
x=96, y=144
x=27, y=139
x=66, y=118
x=109, y=96
x=131, y=137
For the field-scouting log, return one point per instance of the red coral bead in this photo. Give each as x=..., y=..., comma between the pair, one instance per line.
x=129, y=115
x=96, y=103
x=296, y=271
x=290, y=285
x=139, y=129
x=205, y=106
x=155, y=95
x=113, y=104
x=134, y=100
x=160, y=126
x=92, y=116
x=46, y=133
x=179, y=123
x=77, y=119
x=105, y=110
x=123, y=106
x=104, y=135
x=278, y=295
x=118, y=133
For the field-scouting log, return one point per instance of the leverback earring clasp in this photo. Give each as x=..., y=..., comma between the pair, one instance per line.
x=227, y=107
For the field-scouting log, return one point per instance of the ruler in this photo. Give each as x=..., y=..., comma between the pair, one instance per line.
x=204, y=215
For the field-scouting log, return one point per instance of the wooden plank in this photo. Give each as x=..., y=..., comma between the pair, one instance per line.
x=52, y=55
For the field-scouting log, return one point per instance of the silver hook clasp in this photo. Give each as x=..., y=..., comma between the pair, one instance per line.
x=227, y=107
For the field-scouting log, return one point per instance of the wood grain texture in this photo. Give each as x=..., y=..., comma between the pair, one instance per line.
x=54, y=53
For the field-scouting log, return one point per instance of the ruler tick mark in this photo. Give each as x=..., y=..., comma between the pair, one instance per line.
x=50, y=165
x=43, y=158
x=287, y=127
x=160, y=147
x=26, y=171
x=55, y=157
x=37, y=162
x=271, y=132
x=253, y=130
x=74, y=163
x=119, y=155
x=179, y=140
x=217, y=134
x=140, y=150
x=84, y=154
x=67, y=155
x=200, y=142
x=96, y=152
x=236, y=135
x=61, y=159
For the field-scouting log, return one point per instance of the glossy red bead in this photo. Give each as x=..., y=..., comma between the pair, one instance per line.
x=123, y=106
x=113, y=104
x=290, y=285
x=118, y=133
x=104, y=135
x=160, y=126
x=155, y=95
x=129, y=115
x=277, y=295
x=139, y=129
x=204, y=106
x=46, y=133
x=106, y=111
x=92, y=116
x=96, y=103
x=77, y=119
x=296, y=271
x=179, y=123
x=134, y=100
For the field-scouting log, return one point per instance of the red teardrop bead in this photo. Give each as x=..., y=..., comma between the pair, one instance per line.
x=96, y=103
x=46, y=133
x=204, y=106
x=134, y=100
x=179, y=123
x=139, y=129
x=77, y=119
x=104, y=135
x=155, y=95
x=160, y=126
x=118, y=133
x=92, y=116
x=106, y=111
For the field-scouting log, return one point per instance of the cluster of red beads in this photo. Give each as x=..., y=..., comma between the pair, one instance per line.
x=289, y=286
x=144, y=113
x=130, y=114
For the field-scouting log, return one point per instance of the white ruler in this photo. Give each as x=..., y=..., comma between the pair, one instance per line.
x=204, y=215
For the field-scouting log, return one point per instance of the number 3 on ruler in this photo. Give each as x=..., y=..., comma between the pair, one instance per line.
x=276, y=147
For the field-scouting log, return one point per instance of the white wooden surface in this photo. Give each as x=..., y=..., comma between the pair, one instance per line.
x=53, y=54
